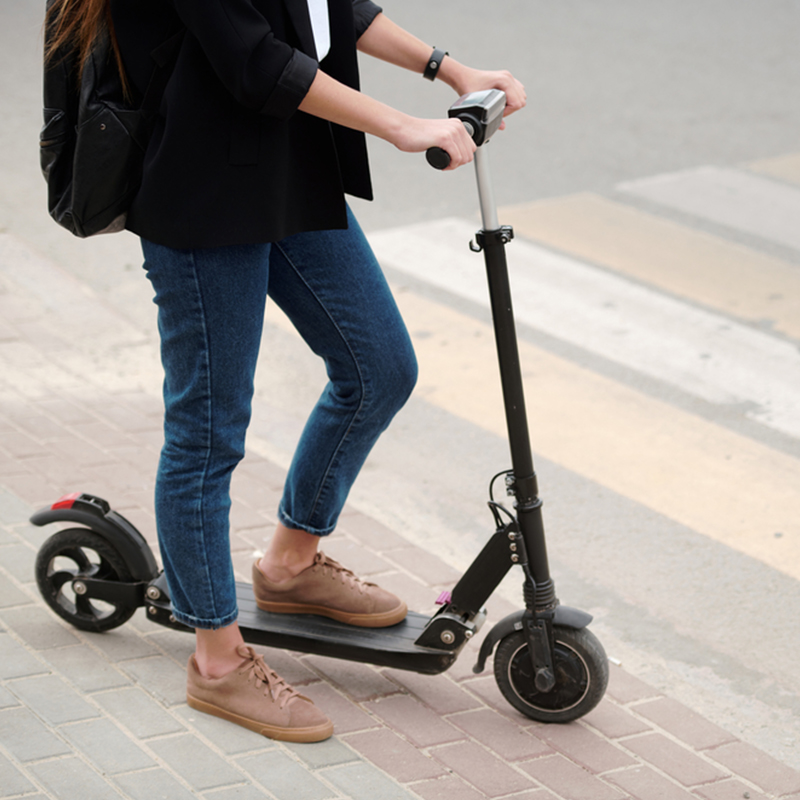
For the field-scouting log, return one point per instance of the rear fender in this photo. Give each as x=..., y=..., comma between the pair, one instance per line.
x=96, y=514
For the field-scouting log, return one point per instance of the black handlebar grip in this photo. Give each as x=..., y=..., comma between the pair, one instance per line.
x=437, y=157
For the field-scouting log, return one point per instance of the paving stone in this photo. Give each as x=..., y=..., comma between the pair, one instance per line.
x=126, y=417
x=52, y=699
x=62, y=474
x=267, y=473
x=7, y=700
x=72, y=778
x=426, y=566
x=34, y=535
x=196, y=763
x=34, y=490
x=463, y=669
x=7, y=535
x=154, y=784
x=448, y=788
x=510, y=741
x=284, y=777
x=20, y=445
x=729, y=790
x=27, y=738
x=585, y=747
x=417, y=595
x=329, y=753
x=76, y=450
x=105, y=436
x=104, y=744
x=678, y=762
x=290, y=667
x=625, y=688
x=684, y=724
x=243, y=517
x=177, y=645
x=482, y=769
x=364, y=782
x=644, y=783
x=438, y=692
x=83, y=667
x=569, y=781
x=244, y=792
x=415, y=721
x=10, y=594
x=16, y=661
x=359, y=681
x=370, y=532
x=229, y=738
x=38, y=627
x=139, y=713
x=347, y=717
x=12, y=781
x=767, y=773
x=614, y=721
x=394, y=755
x=160, y=676
x=486, y=689
x=358, y=558
x=18, y=561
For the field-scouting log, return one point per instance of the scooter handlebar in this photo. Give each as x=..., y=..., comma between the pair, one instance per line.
x=481, y=113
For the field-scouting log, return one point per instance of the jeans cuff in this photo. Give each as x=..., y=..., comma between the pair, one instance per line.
x=206, y=624
x=290, y=523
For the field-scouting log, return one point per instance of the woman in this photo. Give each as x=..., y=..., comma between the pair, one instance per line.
x=260, y=136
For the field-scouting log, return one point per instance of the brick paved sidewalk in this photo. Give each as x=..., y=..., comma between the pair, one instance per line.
x=104, y=715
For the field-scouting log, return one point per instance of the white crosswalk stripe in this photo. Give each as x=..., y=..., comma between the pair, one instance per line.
x=704, y=354
x=749, y=203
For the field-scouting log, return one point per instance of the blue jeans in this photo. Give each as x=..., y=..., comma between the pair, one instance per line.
x=210, y=317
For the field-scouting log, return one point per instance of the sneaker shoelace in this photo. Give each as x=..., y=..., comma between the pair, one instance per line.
x=256, y=669
x=338, y=571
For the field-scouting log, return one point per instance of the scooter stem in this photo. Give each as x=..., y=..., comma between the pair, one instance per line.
x=492, y=240
x=485, y=193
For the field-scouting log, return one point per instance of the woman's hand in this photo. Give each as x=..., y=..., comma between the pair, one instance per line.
x=418, y=135
x=331, y=100
x=466, y=79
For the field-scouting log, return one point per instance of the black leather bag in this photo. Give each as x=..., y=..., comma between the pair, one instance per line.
x=93, y=142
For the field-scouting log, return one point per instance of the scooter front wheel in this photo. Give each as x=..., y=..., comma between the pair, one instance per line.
x=581, y=671
x=68, y=556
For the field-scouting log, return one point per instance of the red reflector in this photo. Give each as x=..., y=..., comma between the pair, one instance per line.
x=67, y=501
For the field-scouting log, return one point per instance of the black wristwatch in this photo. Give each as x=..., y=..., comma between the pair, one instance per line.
x=434, y=62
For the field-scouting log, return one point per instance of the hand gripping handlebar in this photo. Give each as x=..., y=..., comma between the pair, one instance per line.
x=481, y=113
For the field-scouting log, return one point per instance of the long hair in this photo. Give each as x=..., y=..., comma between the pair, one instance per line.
x=73, y=26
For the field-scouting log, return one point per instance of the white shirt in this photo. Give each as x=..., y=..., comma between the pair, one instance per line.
x=320, y=25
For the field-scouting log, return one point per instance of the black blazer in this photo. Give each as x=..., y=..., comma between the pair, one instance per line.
x=231, y=159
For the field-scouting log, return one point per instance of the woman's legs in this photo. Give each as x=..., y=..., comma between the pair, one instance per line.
x=210, y=317
x=331, y=287
x=211, y=305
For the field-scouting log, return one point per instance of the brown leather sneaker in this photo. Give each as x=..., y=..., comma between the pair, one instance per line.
x=257, y=698
x=328, y=589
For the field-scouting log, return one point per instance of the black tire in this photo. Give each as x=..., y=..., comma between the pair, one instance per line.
x=81, y=553
x=581, y=668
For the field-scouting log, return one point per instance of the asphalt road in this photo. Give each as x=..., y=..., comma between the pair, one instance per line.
x=618, y=91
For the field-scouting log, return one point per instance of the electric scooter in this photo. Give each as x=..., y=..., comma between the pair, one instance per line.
x=547, y=663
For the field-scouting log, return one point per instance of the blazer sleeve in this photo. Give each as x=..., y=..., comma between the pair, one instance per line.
x=364, y=12
x=260, y=71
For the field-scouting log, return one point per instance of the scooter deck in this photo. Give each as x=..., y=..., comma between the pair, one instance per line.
x=389, y=647
x=394, y=646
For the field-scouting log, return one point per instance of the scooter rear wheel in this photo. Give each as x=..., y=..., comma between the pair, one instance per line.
x=78, y=553
x=581, y=670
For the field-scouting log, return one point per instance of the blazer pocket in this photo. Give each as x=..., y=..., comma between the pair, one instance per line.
x=245, y=141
